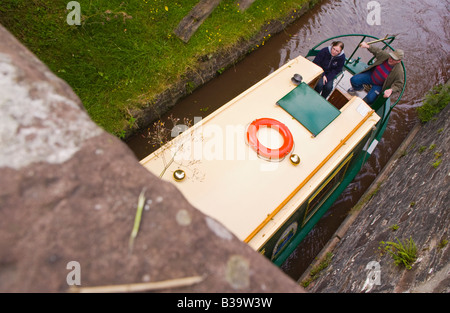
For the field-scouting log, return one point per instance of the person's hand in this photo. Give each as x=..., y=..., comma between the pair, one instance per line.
x=325, y=80
x=364, y=45
x=387, y=93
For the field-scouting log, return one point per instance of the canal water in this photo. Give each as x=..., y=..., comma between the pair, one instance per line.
x=423, y=30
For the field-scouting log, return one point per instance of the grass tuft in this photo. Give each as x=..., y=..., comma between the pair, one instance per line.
x=404, y=253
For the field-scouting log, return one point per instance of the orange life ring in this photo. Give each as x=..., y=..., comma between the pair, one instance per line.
x=262, y=150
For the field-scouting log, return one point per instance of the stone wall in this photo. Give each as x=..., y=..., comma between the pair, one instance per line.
x=413, y=201
x=69, y=192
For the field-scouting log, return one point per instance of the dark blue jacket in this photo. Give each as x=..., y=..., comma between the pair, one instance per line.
x=330, y=65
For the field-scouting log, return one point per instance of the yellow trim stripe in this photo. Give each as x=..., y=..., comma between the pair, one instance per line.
x=278, y=209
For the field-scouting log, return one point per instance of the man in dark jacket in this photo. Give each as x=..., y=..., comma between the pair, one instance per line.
x=331, y=59
x=386, y=75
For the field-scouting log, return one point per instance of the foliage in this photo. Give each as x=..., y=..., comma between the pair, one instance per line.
x=436, y=163
x=124, y=53
x=404, y=253
x=443, y=243
x=435, y=101
x=159, y=134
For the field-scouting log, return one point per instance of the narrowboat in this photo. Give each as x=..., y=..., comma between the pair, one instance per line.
x=269, y=163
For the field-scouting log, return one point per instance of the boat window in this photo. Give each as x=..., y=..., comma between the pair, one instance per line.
x=319, y=197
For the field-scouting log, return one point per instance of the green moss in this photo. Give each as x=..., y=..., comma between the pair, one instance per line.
x=315, y=272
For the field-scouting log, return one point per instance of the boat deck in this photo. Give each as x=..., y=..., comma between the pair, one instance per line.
x=226, y=179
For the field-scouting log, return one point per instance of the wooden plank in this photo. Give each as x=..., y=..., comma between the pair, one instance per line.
x=244, y=4
x=191, y=22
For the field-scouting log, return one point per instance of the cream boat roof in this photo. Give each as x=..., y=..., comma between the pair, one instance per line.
x=226, y=180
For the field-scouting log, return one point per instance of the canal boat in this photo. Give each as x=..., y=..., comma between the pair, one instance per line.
x=269, y=163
